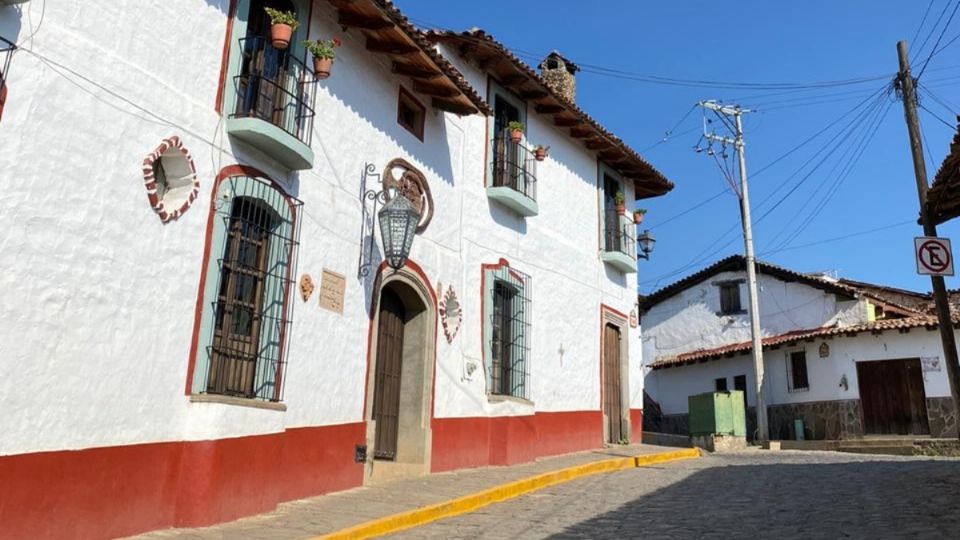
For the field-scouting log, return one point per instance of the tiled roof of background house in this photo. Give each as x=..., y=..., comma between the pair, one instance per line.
x=943, y=197
x=489, y=54
x=792, y=337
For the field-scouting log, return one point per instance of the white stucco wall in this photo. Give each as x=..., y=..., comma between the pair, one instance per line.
x=689, y=320
x=99, y=296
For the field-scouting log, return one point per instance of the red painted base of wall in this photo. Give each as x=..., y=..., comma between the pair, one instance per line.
x=477, y=441
x=124, y=490
x=636, y=426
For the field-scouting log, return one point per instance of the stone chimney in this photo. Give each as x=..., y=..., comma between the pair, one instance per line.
x=560, y=75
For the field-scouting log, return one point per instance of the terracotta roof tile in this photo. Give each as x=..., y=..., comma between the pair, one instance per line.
x=944, y=195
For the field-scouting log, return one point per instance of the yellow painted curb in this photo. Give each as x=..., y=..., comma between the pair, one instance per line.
x=474, y=501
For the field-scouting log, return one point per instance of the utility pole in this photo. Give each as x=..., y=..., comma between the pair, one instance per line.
x=755, y=333
x=947, y=340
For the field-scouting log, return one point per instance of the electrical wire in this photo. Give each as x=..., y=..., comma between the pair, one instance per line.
x=923, y=20
x=940, y=37
x=941, y=120
x=839, y=238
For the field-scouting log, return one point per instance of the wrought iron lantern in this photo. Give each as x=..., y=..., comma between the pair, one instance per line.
x=398, y=226
x=646, y=241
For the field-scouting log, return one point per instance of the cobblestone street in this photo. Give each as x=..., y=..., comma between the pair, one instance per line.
x=751, y=494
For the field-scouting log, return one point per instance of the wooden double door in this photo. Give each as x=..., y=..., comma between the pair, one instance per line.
x=386, y=396
x=892, y=397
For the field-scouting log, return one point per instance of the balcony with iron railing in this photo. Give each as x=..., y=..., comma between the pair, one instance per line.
x=619, y=242
x=274, y=106
x=513, y=180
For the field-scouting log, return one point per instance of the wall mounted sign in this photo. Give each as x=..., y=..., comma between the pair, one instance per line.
x=824, y=350
x=634, y=319
x=450, y=314
x=934, y=256
x=930, y=363
x=306, y=287
x=332, y=289
x=409, y=182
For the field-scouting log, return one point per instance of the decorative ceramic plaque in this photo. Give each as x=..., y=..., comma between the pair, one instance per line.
x=306, y=287
x=332, y=288
x=450, y=314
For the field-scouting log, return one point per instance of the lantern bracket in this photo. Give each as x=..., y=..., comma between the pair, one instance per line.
x=367, y=228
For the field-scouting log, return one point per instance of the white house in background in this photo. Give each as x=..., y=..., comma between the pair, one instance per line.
x=847, y=358
x=197, y=320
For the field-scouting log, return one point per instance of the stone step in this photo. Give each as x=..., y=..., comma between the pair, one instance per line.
x=896, y=450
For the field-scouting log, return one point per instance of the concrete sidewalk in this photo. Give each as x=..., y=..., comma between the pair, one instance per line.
x=330, y=513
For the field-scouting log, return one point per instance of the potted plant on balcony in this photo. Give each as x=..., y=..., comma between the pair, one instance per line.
x=516, y=131
x=638, y=215
x=282, y=25
x=323, y=54
x=619, y=200
x=540, y=152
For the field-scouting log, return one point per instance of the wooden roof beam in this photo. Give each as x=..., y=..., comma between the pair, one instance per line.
x=455, y=107
x=581, y=133
x=596, y=144
x=435, y=90
x=513, y=79
x=390, y=47
x=489, y=62
x=530, y=95
x=566, y=121
x=348, y=19
x=611, y=154
x=551, y=109
x=416, y=72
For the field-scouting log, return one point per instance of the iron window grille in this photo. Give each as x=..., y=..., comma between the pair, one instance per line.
x=509, y=320
x=275, y=87
x=797, y=380
x=513, y=166
x=6, y=54
x=620, y=234
x=252, y=307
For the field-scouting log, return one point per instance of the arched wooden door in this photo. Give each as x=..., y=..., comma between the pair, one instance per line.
x=386, y=393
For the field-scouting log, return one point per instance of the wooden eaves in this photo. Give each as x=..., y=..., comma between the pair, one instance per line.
x=943, y=197
x=511, y=72
x=387, y=31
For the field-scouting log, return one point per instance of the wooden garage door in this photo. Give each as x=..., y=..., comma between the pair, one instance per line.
x=892, y=397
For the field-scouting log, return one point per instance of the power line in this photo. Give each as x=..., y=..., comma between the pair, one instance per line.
x=942, y=32
x=933, y=114
x=932, y=30
x=838, y=238
x=923, y=20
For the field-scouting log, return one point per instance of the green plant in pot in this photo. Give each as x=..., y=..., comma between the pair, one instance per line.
x=540, y=152
x=516, y=131
x=638, y=215
x=323, y=51
x=619, y=200
x=282, y=25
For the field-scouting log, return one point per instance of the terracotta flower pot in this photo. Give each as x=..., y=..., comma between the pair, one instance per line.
x=516, y=135
x=621, y=209
x=322, y=67
x=540, y=154
x=280, y=35
x=638, y=218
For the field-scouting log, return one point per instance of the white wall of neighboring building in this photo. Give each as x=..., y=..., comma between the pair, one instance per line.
x=670, y=387
x=99, y=296
x=689, y=320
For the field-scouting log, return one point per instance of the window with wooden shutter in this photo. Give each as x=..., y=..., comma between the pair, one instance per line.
x=797, y=380
x=720, y=384
x=507, y=331
x=247, y=297
x=730, y=298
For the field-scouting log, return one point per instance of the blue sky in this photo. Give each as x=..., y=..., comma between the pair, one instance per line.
x=755, y=42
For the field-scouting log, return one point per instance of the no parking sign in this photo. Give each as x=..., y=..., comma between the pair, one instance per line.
x=934, y=256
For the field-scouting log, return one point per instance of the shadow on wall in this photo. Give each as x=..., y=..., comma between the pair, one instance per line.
x=867, y=499
x=222, y=5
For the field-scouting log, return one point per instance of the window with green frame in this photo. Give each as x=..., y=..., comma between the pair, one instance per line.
x=506, y=331
x=247, y=305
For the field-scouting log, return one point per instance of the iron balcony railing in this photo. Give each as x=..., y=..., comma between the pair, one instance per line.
x=275, y=87
x=620, y=234
x=513, y=166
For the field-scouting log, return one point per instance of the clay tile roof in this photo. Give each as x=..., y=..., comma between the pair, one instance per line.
x=411, y=54
x=704, y=355
x=943, y=197
x=739, y=263
x=491, y=54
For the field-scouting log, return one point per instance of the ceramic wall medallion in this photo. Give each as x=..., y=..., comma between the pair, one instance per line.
x=170, y=178
x=409, y=182
x=450, y=314
x=306, y=287
x=824, y=350
x=634, y=319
